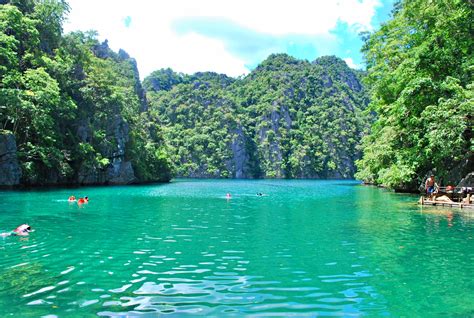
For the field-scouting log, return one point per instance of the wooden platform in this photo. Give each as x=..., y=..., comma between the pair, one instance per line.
x=424, y=201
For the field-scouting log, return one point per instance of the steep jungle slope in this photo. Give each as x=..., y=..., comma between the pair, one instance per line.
x=421, y=70
x=286, y=119
x=72, y=111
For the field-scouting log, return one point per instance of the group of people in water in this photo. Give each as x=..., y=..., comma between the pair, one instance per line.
x=259, y=194
x=25, y=229
x=79, y=201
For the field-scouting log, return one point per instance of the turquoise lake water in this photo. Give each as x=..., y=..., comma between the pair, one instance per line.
x=306, y=248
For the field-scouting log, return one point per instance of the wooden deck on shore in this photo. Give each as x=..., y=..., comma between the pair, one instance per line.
x=461, y=205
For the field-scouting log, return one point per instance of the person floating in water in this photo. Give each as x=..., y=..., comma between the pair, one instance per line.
x=83, y=200
x=228, y=196
x=72, y=198
x=22, y=230
x=260, y=194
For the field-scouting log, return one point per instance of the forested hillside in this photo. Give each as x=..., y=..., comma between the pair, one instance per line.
x=287, y=119
x=71, y=110
x=421, y=67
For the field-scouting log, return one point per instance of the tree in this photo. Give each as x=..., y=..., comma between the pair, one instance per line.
x=420, y=68
x=70, y=101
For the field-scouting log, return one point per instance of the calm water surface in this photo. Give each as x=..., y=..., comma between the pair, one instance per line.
x=307, y=248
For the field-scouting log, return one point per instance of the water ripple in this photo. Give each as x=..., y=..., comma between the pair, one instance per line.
x=182, y=249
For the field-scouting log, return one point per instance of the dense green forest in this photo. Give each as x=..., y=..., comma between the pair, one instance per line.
x=79, y=114
x=420, y=69
x=287, y=119
x=72, y=111
x=76, y=109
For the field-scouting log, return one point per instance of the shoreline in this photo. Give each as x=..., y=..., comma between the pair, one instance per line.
x=22, y=187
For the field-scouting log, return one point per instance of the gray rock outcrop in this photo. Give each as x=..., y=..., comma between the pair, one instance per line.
x=239, y=155
x=467, y=181
x=10, y=171
x=119, y=170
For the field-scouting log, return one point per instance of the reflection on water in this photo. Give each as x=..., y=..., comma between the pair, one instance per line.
x=307, y=248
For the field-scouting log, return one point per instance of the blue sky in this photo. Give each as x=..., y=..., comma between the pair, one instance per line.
x=230, y=37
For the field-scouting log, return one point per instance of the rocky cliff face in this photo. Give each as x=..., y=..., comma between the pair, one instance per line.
x=240, y=157
x=467, y=181
x=312, y=122
x=335, y=71
x=10, y=171
x=101, y=140
x=77, y=109
x=119, y=170
x=286, y=119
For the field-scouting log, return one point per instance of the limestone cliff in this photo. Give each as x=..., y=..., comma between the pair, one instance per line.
x=10, y=171
x=287, y=119
x=98, y=132
x=119, y=170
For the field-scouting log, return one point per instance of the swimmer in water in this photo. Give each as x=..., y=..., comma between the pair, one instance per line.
x=72, y=198
x=22, y=230
x=83, y=200
x=228, y=196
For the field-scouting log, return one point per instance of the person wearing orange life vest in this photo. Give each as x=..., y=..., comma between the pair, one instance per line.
x=83, y=200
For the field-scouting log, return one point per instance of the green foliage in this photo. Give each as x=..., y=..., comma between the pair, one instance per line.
x=420, y=68
x=50, y=15
x=203, y=116
x=148, y=151
x=70, y=101
x=163, y=79
x=288, y=118
x=166, y=79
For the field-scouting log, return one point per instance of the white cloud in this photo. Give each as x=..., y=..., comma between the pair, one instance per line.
x=151, y=40
x=191, y=53
x=351, y=63
x=297, y=16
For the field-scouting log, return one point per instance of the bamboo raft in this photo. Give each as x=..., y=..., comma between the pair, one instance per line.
x=464, y=203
